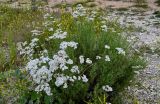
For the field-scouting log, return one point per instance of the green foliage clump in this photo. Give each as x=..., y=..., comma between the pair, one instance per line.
x=92, y=35
x=91, y=39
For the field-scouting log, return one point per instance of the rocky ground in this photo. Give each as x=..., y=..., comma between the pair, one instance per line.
x=95, y=3
x=107, y=3
x=145, y=89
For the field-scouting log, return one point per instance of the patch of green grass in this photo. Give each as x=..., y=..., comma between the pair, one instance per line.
x=15, y=26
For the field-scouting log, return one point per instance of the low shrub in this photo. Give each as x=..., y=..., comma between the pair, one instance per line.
x=78, y=58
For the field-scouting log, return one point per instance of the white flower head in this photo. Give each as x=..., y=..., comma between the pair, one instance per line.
x=84, y=78
x=74, y=77
x=64, y=45
x=65, y=85
x=59, y=34
x=75, y=69
x=75, y=14
x=107, y=88
x=88, y=61
x=60, y=81
x=120, y=51
x=44, y=87
x=98, y=57
x=35, y=40
x=107, y=46
x=81, y=58
x=69, y=61
x=19, y=46
x=73, y=44
x=46, y=15
x=80, y=11
x=35, y=32
x=104, y=28
x=107, y=58
x=47, y=89
x=50, y=29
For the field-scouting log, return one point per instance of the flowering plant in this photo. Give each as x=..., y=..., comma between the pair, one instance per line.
x=76, y=55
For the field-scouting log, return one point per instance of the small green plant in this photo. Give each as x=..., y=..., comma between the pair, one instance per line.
x=141, y=3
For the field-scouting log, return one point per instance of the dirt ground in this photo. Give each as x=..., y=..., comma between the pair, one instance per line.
x=99, y=3
x=107, y=3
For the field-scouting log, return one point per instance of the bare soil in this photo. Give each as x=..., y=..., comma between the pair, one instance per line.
x=107, y=3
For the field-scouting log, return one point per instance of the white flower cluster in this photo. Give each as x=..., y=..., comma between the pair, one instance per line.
x=42, y=74
x=92, y=16
x=80, y=11
x=46, y=15
x=75, y=69
x=35, y=32
x=104, y=28
x=44, y=87
x=107, y=88
x=44, y=68
x=88, y=61
x=48, y=23
x=20, y=45
x=98, y=57
x=27, y=49
x=50, y=29
x=107, y=58
x=82, y=60
x=64, y=45
x=107, y=46
x=121, y=51
x=59, y=34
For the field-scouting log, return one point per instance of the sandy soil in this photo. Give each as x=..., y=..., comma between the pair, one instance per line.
x=114, y=4
x=106, y=3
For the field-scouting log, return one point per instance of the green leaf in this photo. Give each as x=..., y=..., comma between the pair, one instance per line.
x=47, y=99
x=35, y=96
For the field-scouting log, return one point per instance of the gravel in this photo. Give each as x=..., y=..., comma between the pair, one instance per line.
x=145, y=88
